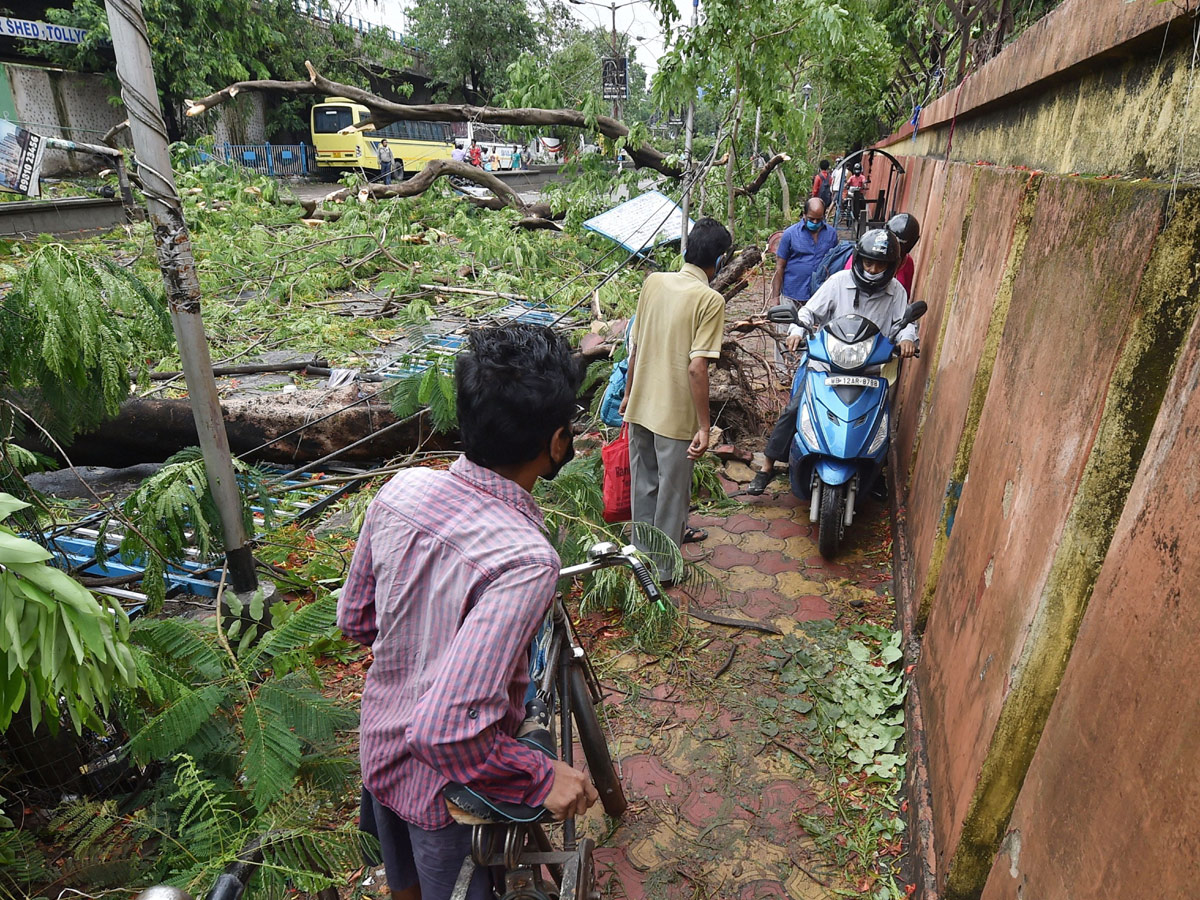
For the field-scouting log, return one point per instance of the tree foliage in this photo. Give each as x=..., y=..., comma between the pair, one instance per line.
x=71, y=329
x=64, y=652
x=468, y=46
x=199, y=46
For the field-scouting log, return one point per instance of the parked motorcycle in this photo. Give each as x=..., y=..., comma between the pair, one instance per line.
x=843, y=423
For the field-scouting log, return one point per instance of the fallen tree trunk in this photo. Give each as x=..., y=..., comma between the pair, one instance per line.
x=323, y=421
x=384, y=112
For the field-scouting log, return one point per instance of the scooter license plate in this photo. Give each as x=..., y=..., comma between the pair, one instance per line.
x=851, y=381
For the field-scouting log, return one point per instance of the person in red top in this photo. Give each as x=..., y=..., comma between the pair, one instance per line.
x=907, y=230
x=854, y=196
x=822, y=184
x=475, y=155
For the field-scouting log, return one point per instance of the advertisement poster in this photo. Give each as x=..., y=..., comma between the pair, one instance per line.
x=20, y=159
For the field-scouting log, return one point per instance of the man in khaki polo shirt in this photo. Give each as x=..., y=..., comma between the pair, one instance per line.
x=679, y=325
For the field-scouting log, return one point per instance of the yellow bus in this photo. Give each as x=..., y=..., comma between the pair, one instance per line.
x=413, y=143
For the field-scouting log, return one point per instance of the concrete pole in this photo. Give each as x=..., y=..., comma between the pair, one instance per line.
x=687, y=148
x=140, y=93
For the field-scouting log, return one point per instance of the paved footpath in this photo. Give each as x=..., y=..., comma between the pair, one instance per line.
x=713, y=783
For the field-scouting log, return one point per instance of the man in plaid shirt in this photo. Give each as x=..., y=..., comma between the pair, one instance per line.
x=450, y=580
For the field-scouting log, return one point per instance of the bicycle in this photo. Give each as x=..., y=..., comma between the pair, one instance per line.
x=510, y=835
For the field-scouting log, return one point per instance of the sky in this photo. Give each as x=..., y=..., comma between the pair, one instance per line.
x=634, y=19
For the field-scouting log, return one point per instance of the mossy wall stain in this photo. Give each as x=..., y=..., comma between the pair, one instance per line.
x=947, y=311
x=983, y=378
x=1165, y=307
x=1136, y=116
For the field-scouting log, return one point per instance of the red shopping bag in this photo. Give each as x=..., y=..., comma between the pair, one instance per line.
x=617, y=488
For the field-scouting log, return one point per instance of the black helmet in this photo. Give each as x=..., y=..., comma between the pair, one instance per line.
x=856, y=168
x=907, y=230
x=880, y=245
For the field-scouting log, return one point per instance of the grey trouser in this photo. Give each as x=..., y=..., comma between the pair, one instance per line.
x=661, y=474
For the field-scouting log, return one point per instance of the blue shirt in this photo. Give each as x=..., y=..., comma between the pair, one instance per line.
x=802, y=254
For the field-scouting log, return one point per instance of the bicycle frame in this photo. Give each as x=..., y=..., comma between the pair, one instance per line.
x=571, y=865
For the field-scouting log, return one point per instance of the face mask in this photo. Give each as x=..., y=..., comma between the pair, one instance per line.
x=719, y=264
x=556, y=465
x=811, y=225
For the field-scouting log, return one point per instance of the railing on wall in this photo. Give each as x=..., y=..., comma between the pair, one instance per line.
x=265, y=159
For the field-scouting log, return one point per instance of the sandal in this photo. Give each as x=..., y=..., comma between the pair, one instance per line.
x=694, y=535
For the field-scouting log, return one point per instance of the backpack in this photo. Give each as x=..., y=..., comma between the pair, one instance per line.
x=834, y=261
x=614, y=393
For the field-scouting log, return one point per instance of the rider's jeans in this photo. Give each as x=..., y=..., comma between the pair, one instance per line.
x=413, y=855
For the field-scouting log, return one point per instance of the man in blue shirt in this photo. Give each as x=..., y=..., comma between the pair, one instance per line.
x=800, y=250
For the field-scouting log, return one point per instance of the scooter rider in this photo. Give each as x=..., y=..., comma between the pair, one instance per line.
x=869, y=289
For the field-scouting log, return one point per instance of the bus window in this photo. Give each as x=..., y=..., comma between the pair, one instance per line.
x=331, y=119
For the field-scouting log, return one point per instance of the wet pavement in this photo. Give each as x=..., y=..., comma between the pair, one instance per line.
x=714, y=781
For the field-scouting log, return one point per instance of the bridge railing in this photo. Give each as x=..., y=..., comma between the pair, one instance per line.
x=316, y=12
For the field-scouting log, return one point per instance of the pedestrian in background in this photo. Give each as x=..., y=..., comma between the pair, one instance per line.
x=822, y=184
x=801, y=248
x=386, y=158
x=678, y=329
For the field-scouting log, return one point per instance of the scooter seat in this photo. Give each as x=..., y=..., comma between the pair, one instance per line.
x=468, y=806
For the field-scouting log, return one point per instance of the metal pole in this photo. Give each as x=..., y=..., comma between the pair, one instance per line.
x=115, y=156
x=616, y=56
x=687, y=148
x=140, y=94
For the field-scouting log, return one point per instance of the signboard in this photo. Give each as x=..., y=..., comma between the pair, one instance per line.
x=614, y=78
x=40, y=31
x=641, y=223
x=20, y=159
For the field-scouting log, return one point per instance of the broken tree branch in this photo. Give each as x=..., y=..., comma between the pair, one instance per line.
x=423, y=180
x=732, y=278
x=759, y=180
x=384, y=112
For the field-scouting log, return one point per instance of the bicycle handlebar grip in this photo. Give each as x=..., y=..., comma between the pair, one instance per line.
x=642, y=574
x=228, y=887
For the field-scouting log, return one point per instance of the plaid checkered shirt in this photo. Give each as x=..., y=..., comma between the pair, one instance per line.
x=450, y=580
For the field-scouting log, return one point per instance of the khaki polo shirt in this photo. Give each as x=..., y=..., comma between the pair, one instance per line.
x=679, y=318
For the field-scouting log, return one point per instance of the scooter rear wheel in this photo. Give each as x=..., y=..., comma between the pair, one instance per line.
x=832, y=520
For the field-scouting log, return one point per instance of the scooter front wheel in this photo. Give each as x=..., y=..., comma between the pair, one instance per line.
x=832, y=521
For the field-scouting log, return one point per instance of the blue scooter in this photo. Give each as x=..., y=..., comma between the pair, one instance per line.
x=843, y=423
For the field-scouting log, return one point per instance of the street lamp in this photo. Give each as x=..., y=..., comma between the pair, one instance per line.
x=806, y=90
x=613, y=7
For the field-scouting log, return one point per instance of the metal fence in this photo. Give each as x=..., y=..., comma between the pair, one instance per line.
x=265, y=159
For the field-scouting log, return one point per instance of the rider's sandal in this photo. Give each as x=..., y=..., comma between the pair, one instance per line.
x=694, y=535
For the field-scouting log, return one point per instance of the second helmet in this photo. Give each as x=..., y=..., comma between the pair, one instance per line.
x=879, y=245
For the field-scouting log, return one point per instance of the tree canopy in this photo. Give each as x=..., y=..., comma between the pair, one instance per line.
x=199, y=46
x=469, y=46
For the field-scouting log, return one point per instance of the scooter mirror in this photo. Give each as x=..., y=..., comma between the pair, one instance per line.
x=783, y=314
x=914, y=311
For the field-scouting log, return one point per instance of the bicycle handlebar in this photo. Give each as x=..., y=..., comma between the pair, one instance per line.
x=605, y=556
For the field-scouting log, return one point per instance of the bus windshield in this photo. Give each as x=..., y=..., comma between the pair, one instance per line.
x=331, y=119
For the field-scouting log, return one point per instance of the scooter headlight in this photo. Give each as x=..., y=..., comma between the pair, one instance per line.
x=881, y=434
x=807, y=431
x=848, y=356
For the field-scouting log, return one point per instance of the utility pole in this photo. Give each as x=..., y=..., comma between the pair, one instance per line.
x=687, y=148
x=616, y=56
x=135, y=71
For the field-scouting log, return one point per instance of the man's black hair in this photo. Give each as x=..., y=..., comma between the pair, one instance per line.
x=516, y=386
x=707, y=242
x=824, y=165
